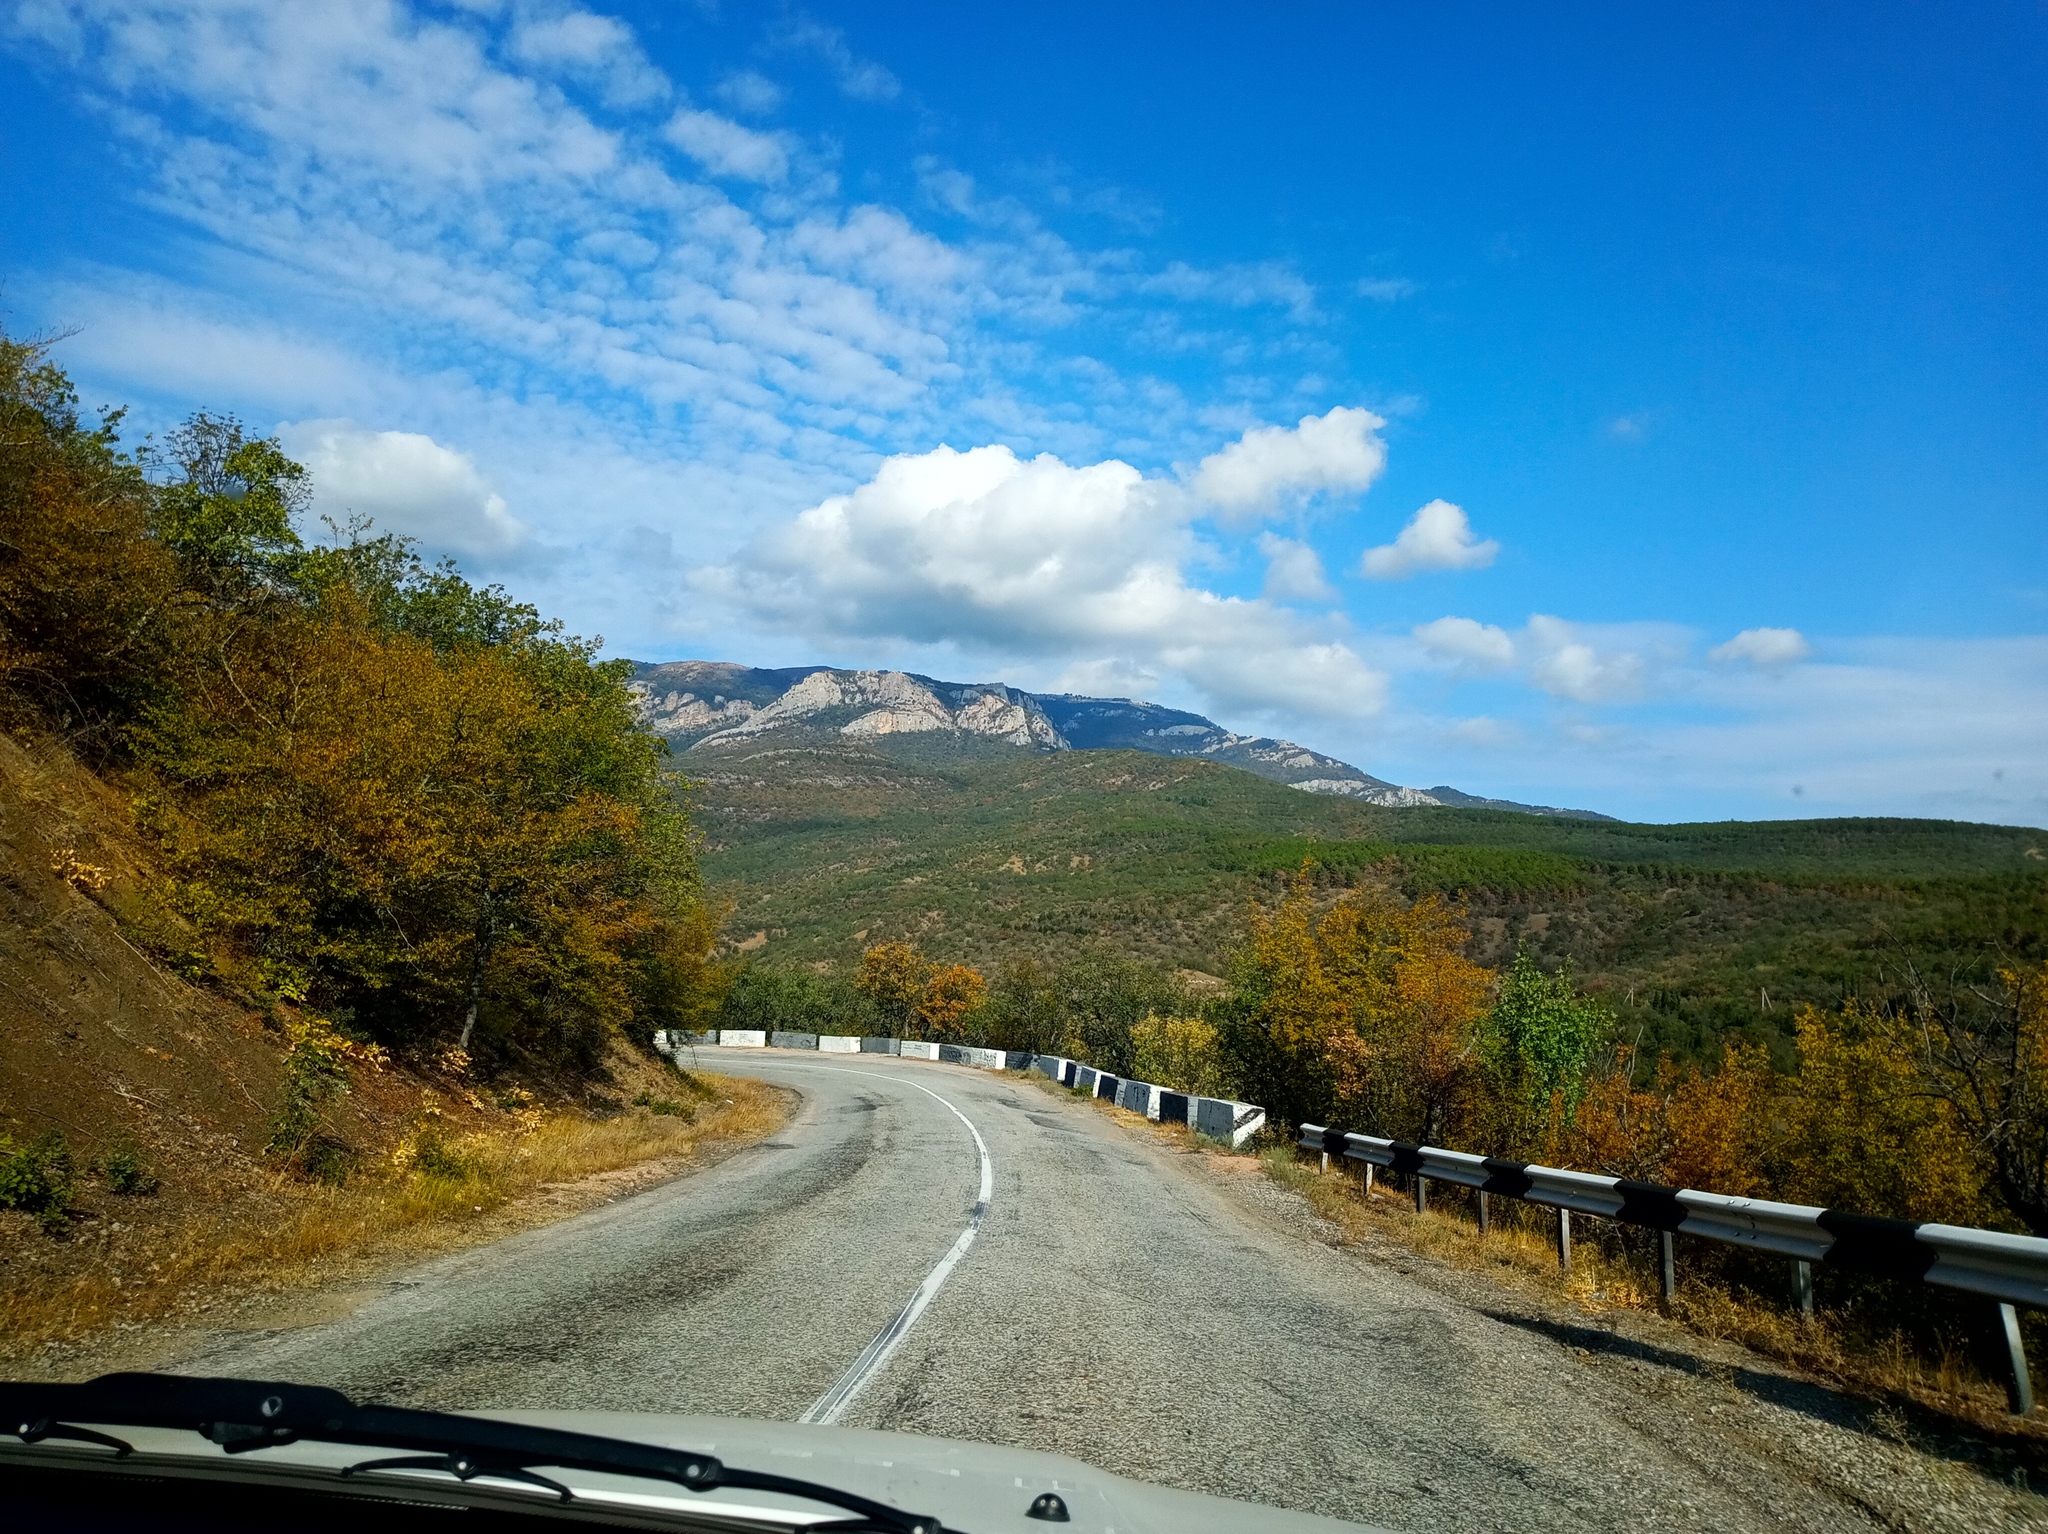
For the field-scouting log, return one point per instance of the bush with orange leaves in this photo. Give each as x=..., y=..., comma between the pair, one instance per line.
x=1365, y=1013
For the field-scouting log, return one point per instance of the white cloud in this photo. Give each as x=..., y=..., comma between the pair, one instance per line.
x=1385, y=290
x=750, y=91
x=1240, y=286
x=1568, y=664
x=862, y=79
x=1337, y=452
x=1468, y=642
x=405, y=483
x=725, y=148
x=600, y=49
x=1294, y=571
x=1763, y=647
x=1072, y=564
x=1438, y=537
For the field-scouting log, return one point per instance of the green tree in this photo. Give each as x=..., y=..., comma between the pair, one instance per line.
x=1541, y=1040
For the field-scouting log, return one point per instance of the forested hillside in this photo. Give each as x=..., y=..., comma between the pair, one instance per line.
x=322, y=867
x=1690, y=933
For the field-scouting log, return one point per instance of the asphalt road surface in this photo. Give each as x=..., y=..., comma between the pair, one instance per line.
x=1114, y=1302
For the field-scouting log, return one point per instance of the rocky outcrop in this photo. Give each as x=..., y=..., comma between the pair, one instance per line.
x=707, y=704
x=897, y=703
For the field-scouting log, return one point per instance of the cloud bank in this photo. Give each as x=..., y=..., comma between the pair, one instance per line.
x=1076, y=566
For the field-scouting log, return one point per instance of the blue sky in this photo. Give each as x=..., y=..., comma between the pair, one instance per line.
x=1688, y=373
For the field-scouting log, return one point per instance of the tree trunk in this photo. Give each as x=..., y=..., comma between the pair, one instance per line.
x=486, y=935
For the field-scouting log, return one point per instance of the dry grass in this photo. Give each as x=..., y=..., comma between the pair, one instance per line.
x=1521, y=1251
x=430, y=1194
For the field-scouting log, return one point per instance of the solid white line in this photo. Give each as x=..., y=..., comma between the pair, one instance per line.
x=827, y=1407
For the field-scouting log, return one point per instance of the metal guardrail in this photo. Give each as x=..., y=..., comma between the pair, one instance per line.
x=2013, y=1270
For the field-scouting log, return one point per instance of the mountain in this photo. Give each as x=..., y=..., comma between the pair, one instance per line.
x=708, y=704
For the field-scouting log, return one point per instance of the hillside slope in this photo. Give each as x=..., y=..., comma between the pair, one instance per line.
x=1691, y=932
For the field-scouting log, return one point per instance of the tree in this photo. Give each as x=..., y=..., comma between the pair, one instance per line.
x=1540, y=1041
x=89, y=599
x=1180, y=1053
x=952, y=995
x=1368, y=1012
x=893, y=976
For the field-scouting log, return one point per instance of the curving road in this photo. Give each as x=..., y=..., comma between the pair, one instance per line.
x=1113, y=1303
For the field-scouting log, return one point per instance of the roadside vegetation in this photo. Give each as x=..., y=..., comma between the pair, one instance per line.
x=1359, y=1005
x=342, y=894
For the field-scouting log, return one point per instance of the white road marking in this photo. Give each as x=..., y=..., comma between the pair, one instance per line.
x=827, y=1407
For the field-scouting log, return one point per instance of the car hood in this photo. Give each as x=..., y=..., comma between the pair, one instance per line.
x=970, y=1486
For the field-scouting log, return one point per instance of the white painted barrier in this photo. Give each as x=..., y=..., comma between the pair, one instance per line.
x=839, y=1043
x=743, y=1038
x=918, y=1049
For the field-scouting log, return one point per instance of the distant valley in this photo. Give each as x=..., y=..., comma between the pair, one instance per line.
x=987, y=824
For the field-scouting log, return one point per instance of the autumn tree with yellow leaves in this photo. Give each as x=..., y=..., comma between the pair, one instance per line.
x=383, y=794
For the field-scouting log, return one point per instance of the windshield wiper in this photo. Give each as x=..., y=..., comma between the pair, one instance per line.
x=241, y=1415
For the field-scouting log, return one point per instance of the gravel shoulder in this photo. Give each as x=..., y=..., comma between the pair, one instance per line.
x=1162, y=1313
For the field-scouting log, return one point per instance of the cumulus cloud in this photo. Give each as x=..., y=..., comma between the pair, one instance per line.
x=1294, y=571
x=598, y=49
x=1339, y=452
x=1069, y=564
x=1567, y=663
x=1466, y=641
x=405, y=483
x=750, y=91
x=1763, y=647
x=725, y=148
x=1438, y=537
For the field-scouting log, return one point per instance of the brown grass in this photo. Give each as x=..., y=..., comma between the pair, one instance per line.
x=1521, y=1251
x=482, y=1185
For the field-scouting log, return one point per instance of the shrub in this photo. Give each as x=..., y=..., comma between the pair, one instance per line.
x=664, y=1107
x=38, y=1179
x=127, y=1173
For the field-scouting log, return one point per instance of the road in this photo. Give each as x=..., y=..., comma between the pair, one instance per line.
x=1118, y=1304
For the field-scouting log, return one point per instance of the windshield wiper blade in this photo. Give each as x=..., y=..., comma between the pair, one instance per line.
x=241, y=1415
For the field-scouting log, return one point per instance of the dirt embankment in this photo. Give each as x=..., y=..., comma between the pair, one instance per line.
x=103, y=1045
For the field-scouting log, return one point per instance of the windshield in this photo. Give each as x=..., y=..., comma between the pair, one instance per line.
x=1232, y=765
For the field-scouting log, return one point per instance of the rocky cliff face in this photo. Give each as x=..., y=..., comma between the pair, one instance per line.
x=697, y=703
x=710, y=704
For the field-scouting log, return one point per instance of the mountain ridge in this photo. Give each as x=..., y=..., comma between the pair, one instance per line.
x=697, y=704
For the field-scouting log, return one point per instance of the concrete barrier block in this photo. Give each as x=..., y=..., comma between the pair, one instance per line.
x=918, y=1049
x=1136, y=1097
x=1106, y=1085
x=1173, y=1107
x=783, y=1039
x=953, y=1054
x=1084, y=1078
x=1214, y=1117
x=1070, y=1072
x=1046, y=1066
x=839, y=1043
x=1016, y=1059
x=870, y=1045
x=988, y=1059
x=743, y=1038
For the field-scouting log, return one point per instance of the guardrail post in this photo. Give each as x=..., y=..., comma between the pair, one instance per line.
x=2019, y=1385
x=1368, y=1179
x=1564, y=1239
x=1482, y=1211
x=1802, y=1286
x=1326, y=1163
x=1421, y=1194
x=1669, y=1264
